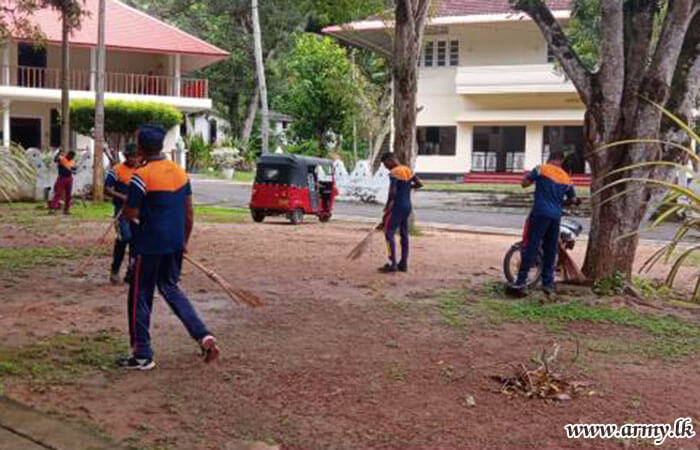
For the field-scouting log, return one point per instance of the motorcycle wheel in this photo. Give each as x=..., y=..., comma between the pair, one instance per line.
x=511, y=266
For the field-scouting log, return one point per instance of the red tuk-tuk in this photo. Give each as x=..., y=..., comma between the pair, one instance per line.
x=293, y=185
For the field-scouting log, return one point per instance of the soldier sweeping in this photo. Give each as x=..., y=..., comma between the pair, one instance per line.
x=397, y=211
x=117, y=187
x=160, y=202
x=64, y=183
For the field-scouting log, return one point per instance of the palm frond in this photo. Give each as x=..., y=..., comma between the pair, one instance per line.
x=15, y=170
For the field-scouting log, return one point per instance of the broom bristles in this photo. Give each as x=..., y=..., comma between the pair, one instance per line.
x=361, y=248
x=235, y=293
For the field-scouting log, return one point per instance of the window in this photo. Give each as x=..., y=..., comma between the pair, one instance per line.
x=498, y=149
x=441, y=53
x=429, y=51
x=454, y=53
x=437, y=141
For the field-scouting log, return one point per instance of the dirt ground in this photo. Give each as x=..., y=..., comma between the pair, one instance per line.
x=341, y=357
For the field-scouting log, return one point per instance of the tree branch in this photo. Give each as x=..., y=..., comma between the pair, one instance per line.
x=686, y=79
x=657, y=85
x=559, y=44
x=610, y=78
x=639, y=19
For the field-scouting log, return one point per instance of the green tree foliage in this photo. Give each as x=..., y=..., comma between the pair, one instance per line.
x=323, y=93
x=122, y=120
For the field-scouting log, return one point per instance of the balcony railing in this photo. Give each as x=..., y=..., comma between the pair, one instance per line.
x=117, y=83
x=525, y=78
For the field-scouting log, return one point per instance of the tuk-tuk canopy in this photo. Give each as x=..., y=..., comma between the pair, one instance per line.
x=290, y=169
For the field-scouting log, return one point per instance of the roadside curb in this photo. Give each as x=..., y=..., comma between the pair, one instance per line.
x=37, y=430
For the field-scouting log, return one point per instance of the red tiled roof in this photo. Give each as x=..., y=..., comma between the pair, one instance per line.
x=126, y=28
x=476, y=7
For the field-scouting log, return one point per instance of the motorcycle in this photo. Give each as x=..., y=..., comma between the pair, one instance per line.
x=569, y=230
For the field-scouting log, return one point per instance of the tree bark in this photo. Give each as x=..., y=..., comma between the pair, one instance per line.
x=616, y=97
x=65, y=81
x=411, y=18
x=250, y=117
x=97, y=172
x=262, y=85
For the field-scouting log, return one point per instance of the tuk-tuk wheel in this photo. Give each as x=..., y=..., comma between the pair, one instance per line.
x=296, y=216
x=324, y=218
x=258, y=216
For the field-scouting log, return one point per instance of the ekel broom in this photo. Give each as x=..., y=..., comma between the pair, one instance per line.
x=236, y=294
x=361, y=248
x=81, y=268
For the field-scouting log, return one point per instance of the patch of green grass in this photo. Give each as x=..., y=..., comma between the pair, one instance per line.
x=16, y=259
x=489, y=188
x=238, y=176
x=669, y=336
x=613, y=285
x=28, y=213
x=62, y=358
x=453, y=309
x=215, y=214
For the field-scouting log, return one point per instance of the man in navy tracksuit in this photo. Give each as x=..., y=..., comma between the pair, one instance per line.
x=160, y=202
x=397, y=211
x=552, y=187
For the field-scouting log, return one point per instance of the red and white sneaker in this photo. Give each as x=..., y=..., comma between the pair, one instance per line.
x=210, y=350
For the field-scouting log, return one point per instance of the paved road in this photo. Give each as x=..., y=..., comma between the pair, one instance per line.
x=430, y=207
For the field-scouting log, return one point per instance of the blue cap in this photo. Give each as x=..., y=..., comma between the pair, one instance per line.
x=151, y=138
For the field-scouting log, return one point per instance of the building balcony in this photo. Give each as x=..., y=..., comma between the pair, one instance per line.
x=44, y=84
x=510, y=79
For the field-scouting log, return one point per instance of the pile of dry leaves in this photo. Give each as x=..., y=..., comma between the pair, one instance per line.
x=543, y=382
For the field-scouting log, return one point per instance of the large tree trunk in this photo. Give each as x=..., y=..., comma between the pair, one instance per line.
x=97, y=175
x=633, y=70
x=262, y=84
x=411, y=17
x=65, y=83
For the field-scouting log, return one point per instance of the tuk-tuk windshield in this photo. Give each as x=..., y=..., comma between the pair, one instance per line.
x=274, y=174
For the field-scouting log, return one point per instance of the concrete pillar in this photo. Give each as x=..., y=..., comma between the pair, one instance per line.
x=5, y=76
x=465, y=142
x=93, y=68
x=5, y=106
x=534, y=140
x=177, y=73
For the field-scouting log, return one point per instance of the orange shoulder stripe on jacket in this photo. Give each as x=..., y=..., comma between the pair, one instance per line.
x=163, y=176
x=554, y=173
x=124, y=173
x=65, y=162
x=402, y=173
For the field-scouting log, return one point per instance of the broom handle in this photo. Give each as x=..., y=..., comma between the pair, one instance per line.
x=236, y=294
x=99, y=242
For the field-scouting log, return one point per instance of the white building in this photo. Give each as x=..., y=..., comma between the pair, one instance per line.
x=147, y=60
x=491, y=101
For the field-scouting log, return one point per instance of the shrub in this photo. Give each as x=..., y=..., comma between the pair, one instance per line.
x=122, y=120
x=198, y=152
x=225, y=158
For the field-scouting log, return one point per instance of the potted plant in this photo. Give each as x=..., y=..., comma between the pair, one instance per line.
x=225, y=160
